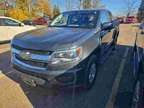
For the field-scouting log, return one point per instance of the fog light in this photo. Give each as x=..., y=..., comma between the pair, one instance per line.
x=66, y=78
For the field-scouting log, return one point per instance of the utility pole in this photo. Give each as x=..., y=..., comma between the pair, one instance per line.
x=5, y=7
x=29, y=6
x=68, y=5
x=80, y=4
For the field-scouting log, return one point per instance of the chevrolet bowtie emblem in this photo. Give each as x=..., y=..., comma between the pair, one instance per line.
x=25, y=55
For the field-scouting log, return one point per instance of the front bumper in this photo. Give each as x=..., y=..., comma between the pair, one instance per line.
x=67, y=77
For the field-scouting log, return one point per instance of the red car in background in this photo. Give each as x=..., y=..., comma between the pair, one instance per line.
x=131, y=19
x=41, y=21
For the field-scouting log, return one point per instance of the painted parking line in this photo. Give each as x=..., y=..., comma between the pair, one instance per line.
x=1, y=74
x=4, y=48
x=116, y=83
x=4, y=76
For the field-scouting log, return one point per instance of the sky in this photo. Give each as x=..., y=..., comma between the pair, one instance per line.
x=117, y=7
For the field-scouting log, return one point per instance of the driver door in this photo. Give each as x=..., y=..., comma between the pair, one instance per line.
x=106, y=34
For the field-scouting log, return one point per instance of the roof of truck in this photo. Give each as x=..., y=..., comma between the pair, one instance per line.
x=86, y=10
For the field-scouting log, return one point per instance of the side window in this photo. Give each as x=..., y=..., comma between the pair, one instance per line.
x=61, y=20
x=105, y=17
x=9, y=22
x=110, y=16
x=74, y=20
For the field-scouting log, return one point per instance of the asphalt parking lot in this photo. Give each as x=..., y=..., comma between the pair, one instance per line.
x=113, y=86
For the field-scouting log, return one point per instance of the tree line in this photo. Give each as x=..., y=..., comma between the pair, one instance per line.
x=141, y=11
x=29, y=9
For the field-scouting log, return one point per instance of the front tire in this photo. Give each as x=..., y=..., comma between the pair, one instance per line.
x=90, y=72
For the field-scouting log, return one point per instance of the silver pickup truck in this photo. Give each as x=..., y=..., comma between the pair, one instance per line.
x=65, y=53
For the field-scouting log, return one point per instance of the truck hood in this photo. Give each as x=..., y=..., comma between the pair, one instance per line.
x=52, y=38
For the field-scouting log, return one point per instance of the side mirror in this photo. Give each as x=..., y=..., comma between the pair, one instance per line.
x=106, y=26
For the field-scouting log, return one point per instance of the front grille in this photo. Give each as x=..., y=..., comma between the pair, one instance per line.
x=32, y=63
x=41, y=52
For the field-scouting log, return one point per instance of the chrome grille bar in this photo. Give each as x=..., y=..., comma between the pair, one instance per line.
x=33, y=57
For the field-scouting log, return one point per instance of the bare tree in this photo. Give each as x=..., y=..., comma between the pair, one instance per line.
x=141, y=11
x=130, y=6
x=80, y=4
x=95, y=4
x=87, y=4
x=83, y=4
x=90, y=4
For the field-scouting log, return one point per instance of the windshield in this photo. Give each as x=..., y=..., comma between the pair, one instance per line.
x=79, y=20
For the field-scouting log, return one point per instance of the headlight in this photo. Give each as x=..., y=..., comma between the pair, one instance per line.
x=66, y=55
